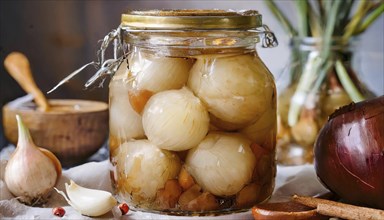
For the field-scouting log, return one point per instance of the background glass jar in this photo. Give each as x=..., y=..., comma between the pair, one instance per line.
x=192, y=113
x=313, y=94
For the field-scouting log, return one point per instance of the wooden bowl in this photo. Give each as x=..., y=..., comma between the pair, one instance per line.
x=72, y=129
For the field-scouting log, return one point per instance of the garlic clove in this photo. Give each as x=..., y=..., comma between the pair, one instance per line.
x=90, y=202
x=30, y=174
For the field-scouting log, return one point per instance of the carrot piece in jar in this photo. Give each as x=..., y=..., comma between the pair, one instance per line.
x=204, y=202
x=264, y=163
x=189, y=195
x=168, y=196
x=138, y=98
x=185, y=179
x=248, y=196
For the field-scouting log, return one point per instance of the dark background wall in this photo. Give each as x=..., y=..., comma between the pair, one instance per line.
x=59, y=36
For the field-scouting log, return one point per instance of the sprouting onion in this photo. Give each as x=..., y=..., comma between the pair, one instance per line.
x=327, y=21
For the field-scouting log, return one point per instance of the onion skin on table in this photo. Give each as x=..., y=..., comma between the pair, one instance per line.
x=349, y=153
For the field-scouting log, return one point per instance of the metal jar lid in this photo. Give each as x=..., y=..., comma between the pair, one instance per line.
x=191, y=20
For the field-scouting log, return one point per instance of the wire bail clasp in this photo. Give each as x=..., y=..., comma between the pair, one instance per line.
x=269, y=40
x=104, y=67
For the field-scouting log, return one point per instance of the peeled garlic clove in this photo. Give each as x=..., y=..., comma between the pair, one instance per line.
x=90, y=202
x=158, y=73
x=30, y=174
x=175, y=120
x=236, y=89
x=222, y=163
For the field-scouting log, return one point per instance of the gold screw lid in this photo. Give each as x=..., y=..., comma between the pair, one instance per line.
x=191, y=19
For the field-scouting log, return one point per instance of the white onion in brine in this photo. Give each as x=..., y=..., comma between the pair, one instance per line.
x=144, y=168
x=236, y=89
x=258, y=131
x=222, y=163
x=175, y=120
x=158, y=73
x=124, y=122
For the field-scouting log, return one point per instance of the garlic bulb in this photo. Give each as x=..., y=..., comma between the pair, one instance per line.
x=31, y=173
x=90, y=202
x=175, y=120
x=222, y=163
x=236, y=89
x=124, y=121
x=158, y=73
x=144, y=168
x=258, y=131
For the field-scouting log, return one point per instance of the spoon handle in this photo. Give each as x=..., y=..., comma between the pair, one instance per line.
x=18, y=66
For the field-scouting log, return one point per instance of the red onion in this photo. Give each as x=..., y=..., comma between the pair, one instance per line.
x=349, y=153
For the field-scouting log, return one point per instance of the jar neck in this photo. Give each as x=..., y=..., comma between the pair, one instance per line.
x=340, y=49
x=337, y=44
x=191, y=43
x=304, y=49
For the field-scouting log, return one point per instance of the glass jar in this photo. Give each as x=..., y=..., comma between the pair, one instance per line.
x=192, y=113
x=315, y=92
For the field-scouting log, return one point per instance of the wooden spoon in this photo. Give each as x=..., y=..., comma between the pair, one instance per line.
x=290, y=210
x=17, y=65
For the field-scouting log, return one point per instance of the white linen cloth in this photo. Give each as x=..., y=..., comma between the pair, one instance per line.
x=290, y=180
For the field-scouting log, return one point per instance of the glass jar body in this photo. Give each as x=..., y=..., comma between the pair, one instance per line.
x=313, y=94
x=192, y=128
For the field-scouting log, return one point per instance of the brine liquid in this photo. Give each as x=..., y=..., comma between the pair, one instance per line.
x=252, y=86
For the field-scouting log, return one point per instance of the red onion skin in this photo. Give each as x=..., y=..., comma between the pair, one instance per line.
x=349, y=153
